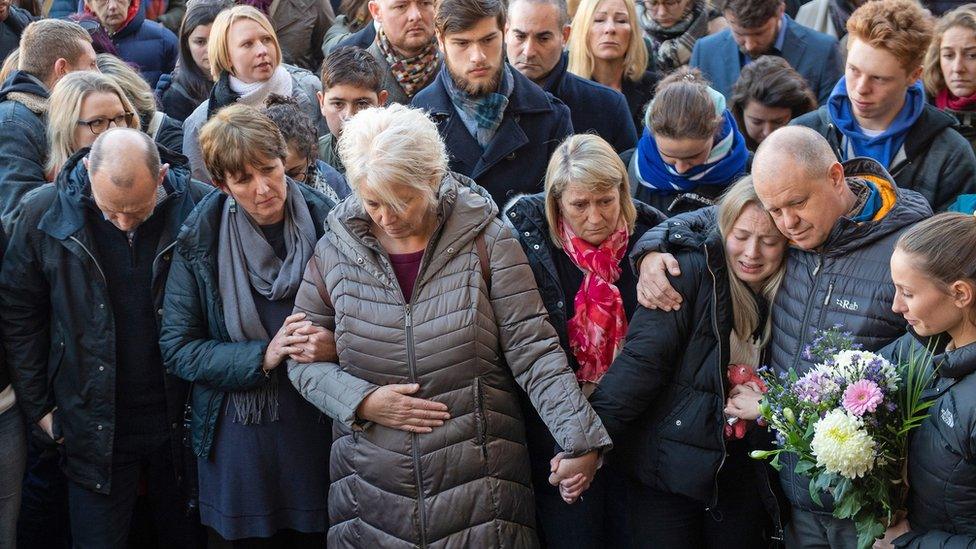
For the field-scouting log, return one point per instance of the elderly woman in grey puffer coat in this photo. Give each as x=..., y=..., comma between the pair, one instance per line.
x=437, y=322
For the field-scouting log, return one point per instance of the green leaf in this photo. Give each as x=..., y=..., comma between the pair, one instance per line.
x=868, y=530
x=803, y=467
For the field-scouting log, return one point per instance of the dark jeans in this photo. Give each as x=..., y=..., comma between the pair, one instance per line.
x=665, y=521
x=596, y=521
x=104, y=521
x=809, y=530
x=43, y=521
x=13, y=458
x=283, y=539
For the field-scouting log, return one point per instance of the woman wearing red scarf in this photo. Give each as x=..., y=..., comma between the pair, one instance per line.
x=950, y=68
x=577, y=235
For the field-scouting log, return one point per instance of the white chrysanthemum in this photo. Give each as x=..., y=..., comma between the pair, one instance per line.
x=842, y=446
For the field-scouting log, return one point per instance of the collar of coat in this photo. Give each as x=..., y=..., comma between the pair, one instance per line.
x=464, y=209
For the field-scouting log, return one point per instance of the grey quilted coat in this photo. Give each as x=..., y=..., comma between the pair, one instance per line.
x=466, y=484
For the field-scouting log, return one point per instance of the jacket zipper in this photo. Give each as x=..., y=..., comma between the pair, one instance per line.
x=411, y=365
x=92, y=256
x=806, y=312
x=721, y=383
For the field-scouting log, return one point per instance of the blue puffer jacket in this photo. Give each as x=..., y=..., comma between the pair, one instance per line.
x=150, y=46
x=194, y=339
x=23, y=139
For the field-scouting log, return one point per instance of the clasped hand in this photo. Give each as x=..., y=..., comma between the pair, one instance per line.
x=573, y=475
x=301, y=341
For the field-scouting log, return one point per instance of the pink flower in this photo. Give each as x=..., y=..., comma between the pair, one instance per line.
x=862, y=397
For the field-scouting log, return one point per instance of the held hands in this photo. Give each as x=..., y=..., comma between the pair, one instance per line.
x=743, y=401
x=390, y=407
x=46, y=424
x=573, y=475
x=320, y=346
x=654, y=291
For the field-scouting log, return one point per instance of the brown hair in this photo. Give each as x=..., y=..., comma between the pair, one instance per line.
x=900, y=27
x=683, y=107
x=964, y=16
x=772, y=82
x=750, y=14
x=239, y=135
x=47, y=40
x=351, y=66
x=460, y=15
x=942, y=247
x=588, y=160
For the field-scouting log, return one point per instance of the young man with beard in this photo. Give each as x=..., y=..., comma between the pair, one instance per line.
x=878, y=109
x=404, y=47
x=499, y=127
x=535, y=37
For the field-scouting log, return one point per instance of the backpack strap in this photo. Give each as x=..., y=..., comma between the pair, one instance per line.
x=483, y=258
x=316, y=274
x=154, y=124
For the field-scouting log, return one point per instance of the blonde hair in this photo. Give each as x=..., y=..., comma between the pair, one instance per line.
x=386, y=147
x=586, y=159
x=9, y=64
x=745, y=313
x=581, y=58
x=238, y=136
x=218, y=50
x=133, y=85
x=964, y=16
x=64, y=111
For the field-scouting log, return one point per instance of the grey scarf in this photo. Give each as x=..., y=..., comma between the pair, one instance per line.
x=247, y=261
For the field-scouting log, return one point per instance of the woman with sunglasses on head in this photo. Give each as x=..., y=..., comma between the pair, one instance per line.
x=83, y=105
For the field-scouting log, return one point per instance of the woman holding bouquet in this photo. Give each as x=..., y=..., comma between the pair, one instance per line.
x=934, y=271
x=666, y=399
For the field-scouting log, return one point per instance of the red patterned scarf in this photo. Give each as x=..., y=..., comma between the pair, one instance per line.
x=412, y=73
x=945, y=99
x=599, y=324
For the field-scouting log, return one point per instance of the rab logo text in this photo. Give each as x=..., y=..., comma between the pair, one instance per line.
x=847, y=304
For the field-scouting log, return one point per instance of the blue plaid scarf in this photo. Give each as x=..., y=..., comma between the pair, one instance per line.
x=482, y=114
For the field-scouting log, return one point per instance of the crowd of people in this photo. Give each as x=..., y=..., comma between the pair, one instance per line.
x=470, y=273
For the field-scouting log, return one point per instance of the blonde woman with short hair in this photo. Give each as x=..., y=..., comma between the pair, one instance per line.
x=245, y=62
x=228, y=328
x=438, y=323
x=606, y=45
x=675, y=390
x=576, y=235
x=82, y=106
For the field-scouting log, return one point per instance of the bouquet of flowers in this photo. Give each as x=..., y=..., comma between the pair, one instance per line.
x=847, y=420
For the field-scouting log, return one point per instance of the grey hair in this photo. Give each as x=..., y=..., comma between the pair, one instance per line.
x=385, y=147
x=560, y=6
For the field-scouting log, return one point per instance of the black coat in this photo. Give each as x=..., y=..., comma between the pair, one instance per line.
x=942, y=451
x=663, y=399
x=638, y=95
x=12, y=27
x=515, y=161
x=58, y=326
x=593, y=107
x=174, y=99
x=939, y=163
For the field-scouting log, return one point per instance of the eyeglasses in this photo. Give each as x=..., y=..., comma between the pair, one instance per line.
x=302, y=176
x=667, y=4
x=99, y=125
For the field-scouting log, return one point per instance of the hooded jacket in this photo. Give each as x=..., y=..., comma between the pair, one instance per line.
x=23, y=139
x=846, y=282
x=470, y=337
x=194, y=340
x=148, y=45
x=937, y=162
x=942, y=451
x=58, y=325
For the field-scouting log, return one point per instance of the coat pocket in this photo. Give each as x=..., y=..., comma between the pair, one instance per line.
x=480, y=419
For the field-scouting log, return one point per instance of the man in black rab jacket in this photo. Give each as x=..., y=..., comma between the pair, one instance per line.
x=535, y=37
x=843, y=222
x=81, y=288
